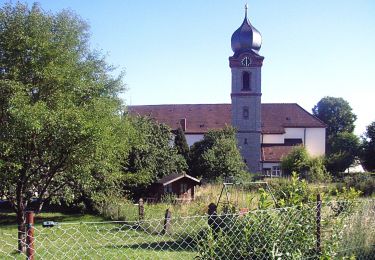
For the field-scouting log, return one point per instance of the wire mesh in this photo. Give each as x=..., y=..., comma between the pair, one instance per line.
x=347, y=230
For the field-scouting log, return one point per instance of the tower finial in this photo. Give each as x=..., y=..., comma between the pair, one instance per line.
x=246, y=10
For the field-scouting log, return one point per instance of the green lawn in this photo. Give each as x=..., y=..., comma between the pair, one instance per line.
x=77, y=238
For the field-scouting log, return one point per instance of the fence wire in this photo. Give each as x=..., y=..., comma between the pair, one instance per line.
x=347, y=230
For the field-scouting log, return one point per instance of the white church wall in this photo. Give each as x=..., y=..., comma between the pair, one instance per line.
x=193, y=138
x=315, y=141
x=294, y=133
x=273, y=139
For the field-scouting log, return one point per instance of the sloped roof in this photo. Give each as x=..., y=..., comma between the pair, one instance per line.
x=202, y=117
x=275, y=152
x=174, y=177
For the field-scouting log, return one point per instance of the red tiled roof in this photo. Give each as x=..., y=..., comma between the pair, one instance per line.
x=275, y=152
x=202, y=117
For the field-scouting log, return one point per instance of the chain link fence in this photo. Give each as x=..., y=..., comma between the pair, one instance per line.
x=337, y=229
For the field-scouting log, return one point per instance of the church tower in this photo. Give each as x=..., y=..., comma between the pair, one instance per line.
x=246, y=65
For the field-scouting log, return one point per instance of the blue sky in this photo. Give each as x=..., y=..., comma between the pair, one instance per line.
x=177, y=51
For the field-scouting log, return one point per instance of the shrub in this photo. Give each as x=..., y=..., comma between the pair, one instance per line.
x=362, y=181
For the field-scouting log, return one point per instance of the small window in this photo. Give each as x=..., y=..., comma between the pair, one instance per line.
x=245, y=141
x=276, y=171
x=267, y=171
x=168, y=188
x=183, y=187
x=245, y=112
x=246, y=81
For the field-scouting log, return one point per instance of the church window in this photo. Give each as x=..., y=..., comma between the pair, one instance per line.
x=245, y=141
x=246, y=76
x=245, y=112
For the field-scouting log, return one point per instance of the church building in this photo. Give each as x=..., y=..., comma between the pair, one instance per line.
x=265, y=132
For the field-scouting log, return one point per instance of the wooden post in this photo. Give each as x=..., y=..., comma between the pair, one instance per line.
x=167, y=221
x=30, y=235
x=318, y=223
x=141, y=209
x=213, y=219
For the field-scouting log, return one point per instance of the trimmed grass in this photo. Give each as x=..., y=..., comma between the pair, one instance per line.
x=79, y=237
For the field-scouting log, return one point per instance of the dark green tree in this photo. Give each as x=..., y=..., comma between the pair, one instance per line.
x=338, y=115
x=217, y=156
x=58, y=109
x=343, y=153
x=181, y=144
x=151, y=155
x=368, y=148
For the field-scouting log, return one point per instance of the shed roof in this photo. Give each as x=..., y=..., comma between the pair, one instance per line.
x=174, y=177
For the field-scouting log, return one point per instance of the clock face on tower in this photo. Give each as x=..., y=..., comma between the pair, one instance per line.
x=246, y=61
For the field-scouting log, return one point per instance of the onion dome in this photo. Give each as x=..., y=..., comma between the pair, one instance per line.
x=246, y=37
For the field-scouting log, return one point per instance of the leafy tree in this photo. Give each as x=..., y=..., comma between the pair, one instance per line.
x=296, y=161
x=337, y=114
x=217, y=155
x=181, y=144
x=368, y=148
x=151, y=155
x=58, y=109
x=344, y=151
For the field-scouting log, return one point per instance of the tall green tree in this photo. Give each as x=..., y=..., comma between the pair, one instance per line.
x=337, y=114
x=217, y=156
x=181, y=143
x=339, y=117
x=343, y=153
x=59, y=109
x=152, y=155
x=368, y=148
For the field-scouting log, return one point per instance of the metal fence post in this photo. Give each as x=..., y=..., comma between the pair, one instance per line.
x=141, y=209
x=30, y=235
x=318, y=223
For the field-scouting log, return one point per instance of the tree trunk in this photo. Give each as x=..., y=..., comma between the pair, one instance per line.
x=21, y=230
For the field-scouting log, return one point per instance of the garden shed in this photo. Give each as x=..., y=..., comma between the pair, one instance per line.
x=180, y=185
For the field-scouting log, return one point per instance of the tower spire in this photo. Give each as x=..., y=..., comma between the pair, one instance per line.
x=246, y=10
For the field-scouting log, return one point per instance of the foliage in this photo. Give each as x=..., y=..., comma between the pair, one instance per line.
x=59, y=109
x=151, y=155
x=181, y=144
x=317, y=170
x=367, y=154
x=284, y=233
x=296, y=161
x=342, y=146
x=361, y=181
x=337, y=114
x=295, y=192
x=217, y=156
x=311, y=168
x=343, y=152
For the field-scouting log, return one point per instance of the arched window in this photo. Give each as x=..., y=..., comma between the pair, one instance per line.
x=246, y=81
